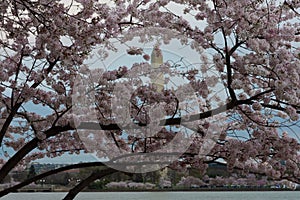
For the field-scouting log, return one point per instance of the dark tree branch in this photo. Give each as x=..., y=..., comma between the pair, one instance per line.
x=96, y=126
x=43, y=175
x=16, y=107
x=94, y=176
x=290, y=6
x=27, y=148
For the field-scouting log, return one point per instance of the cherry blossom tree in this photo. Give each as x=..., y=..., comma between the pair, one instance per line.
x=247, y=49
x=189, y=182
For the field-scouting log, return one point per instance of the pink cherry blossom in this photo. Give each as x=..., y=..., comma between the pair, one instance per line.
x=247, y=69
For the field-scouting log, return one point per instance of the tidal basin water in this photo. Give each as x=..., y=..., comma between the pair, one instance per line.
x=270, y=195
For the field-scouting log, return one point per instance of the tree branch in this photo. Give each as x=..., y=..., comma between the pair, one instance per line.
x=27, y=148
x=96, y=126
x=43, y=175
x=16, y=107
x=94, y=176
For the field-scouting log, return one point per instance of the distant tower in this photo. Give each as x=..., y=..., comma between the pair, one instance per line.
x=156, y=61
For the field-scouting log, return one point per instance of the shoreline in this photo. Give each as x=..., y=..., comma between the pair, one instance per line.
x=141, y=191
x=199, y=190
x=173, y=190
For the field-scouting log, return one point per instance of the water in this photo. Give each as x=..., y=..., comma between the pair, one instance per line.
x=270, y=195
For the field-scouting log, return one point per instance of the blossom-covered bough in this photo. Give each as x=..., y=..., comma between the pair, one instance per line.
x=250, y=48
